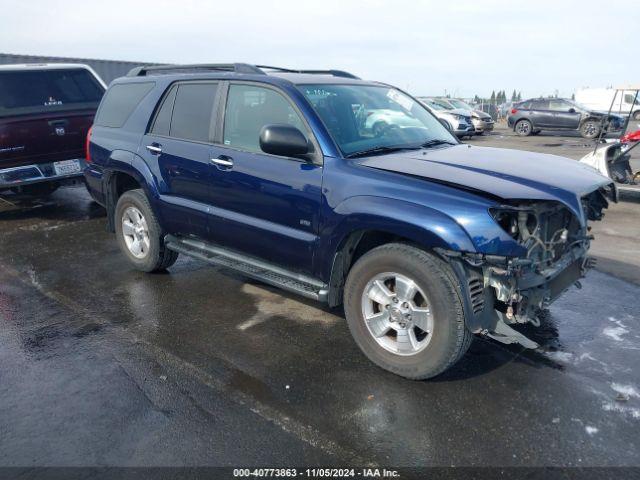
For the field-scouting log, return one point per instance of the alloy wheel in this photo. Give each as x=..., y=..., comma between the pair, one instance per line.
x=135, y=232
x=397, y=314
x=523, y=128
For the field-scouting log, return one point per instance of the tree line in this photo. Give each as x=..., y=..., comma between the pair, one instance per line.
x=498, y=98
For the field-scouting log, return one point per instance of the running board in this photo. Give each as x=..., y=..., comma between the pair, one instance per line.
x=250, y=266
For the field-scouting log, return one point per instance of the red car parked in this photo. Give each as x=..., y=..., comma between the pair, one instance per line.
x=45, y=113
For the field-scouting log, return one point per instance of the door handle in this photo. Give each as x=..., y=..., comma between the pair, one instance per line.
x=223, y=161
x=155, y=149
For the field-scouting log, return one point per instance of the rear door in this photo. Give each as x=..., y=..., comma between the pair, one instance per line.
x=45, y=114
x=179, y=143
x=265, y=205
x=540, y=114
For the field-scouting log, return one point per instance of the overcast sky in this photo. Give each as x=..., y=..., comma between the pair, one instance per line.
x=428, y=47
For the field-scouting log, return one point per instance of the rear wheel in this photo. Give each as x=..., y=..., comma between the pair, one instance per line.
x=590, y=129
x=523, y=128
x=404, y=310
x=139, y=234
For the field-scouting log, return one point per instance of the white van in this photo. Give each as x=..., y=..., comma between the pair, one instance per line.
x=599, y=99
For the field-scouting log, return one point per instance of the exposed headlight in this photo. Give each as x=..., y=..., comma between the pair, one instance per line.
x=507, y=219
x=511, y=221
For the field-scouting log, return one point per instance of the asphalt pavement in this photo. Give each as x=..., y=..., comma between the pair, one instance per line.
x=104, y=366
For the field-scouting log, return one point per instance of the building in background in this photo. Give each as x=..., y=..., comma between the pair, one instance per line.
x=106, y=69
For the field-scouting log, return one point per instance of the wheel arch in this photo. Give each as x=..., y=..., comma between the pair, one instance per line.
x=366, y=228
x=126, y=171
x=522, y=119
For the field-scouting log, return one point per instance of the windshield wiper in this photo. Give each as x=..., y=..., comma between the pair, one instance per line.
x=373, y=151
x=437, y=141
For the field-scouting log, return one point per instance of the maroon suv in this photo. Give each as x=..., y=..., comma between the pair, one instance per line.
x=45, y=113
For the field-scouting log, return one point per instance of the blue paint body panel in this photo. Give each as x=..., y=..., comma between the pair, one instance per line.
x=298, y=214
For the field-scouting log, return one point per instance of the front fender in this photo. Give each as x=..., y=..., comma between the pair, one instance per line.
x=425, y=226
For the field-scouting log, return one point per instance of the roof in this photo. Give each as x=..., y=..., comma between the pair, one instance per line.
x=42, y=66
x=245, y=71
x=630, y=86
x=21, y=67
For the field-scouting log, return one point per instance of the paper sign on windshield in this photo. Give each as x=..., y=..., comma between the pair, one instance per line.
x=402, y=100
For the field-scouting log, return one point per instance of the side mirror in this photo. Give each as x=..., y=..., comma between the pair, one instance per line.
x=572, y=110
x=284, y=140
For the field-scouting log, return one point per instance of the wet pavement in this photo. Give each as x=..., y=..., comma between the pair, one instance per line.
x=102, y=365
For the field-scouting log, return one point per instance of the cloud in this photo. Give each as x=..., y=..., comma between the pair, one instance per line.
x=426, y=47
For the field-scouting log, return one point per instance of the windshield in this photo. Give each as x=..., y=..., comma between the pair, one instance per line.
x=577, y=105
x=361, y=118
x=460, y=104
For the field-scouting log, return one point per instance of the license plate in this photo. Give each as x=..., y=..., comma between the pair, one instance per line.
x=67, y=167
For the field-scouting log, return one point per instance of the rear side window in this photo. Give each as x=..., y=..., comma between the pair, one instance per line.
x=38, y=91
x=192, y=110
x=162, y=122
x=119, y=103
x=539, y=105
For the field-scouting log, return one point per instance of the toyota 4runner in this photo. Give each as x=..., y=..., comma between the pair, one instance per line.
x=280, y=175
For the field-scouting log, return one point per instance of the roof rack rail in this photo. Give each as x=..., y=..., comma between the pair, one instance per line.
x=335, y=73
x=218, y=67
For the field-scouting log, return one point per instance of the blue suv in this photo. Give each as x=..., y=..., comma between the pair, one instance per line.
x=344, y=191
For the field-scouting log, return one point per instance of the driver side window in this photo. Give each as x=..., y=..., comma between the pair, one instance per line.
x=249, y=108
x=559, y=106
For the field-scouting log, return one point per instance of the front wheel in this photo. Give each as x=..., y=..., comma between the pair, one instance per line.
x=139, y=234
x=636, y=115
x=590, y=129
x=404, y=310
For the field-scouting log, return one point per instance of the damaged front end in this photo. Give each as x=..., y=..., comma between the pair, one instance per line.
x=506, y=290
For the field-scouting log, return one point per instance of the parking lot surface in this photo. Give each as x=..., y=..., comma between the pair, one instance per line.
x=102, y=365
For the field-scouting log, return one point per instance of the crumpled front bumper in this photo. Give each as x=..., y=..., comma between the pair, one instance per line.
x=500, y=291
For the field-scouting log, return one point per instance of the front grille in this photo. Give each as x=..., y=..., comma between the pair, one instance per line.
x=476, y=293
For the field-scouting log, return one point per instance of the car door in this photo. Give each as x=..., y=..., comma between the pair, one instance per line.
x=540, y=115
x=179, y=145
x=266, y=206
x=565, y=115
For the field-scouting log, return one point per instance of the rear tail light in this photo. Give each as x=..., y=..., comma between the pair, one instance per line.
x=87, y=153
x=514, y=110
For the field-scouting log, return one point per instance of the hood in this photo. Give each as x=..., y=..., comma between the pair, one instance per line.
x=481, y=114
x=459, y=111
x=502, y=173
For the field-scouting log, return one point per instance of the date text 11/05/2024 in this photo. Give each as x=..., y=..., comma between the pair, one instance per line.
x=316, y=472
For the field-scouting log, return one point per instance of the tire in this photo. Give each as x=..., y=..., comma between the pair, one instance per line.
x=636, y=115
x=437, y=351
x=153, y=256
x=523, y=128
x=37, y=189
x=590, y=129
